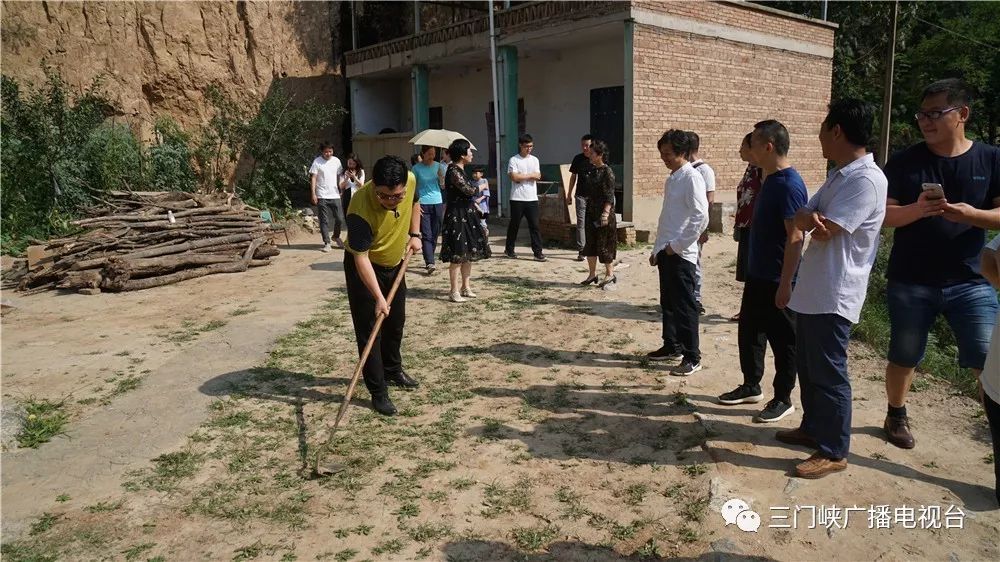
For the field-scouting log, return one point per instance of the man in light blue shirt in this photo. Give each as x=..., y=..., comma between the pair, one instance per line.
x=844, y=218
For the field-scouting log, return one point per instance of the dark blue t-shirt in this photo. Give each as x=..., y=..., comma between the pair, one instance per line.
x=782, y=194
x=934, y=250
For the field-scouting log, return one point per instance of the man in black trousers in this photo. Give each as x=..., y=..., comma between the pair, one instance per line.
x=775, y=250
x=683, y=217
x=383, y=221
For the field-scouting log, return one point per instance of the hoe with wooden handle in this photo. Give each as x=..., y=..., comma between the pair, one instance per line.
x=319, y=469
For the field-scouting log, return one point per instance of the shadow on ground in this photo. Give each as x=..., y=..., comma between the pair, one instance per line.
x=576, y=551
x=627, y=425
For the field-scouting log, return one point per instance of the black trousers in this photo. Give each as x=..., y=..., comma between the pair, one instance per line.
x=680, y=310
x=528, y=210
x=993, y=417
x=761, y=322
x=385, y=357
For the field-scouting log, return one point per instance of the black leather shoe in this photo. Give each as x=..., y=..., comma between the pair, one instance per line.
x=402, y=380
x=589, y=281
x=382, y=405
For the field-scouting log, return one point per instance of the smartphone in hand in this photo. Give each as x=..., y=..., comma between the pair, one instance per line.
x=934, y=190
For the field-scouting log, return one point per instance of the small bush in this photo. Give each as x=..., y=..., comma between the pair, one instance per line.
x=170, y=159
x=43, y=420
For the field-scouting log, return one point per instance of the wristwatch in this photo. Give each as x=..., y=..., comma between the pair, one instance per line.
x=415, y=235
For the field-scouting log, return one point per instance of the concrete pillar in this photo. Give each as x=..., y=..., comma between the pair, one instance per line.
x=629, y=135
x=507, y=76
x=420, y=86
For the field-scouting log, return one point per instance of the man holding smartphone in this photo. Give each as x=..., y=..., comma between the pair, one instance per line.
x=944, y=193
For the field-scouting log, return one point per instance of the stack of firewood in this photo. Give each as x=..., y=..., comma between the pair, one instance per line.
x=139, y=240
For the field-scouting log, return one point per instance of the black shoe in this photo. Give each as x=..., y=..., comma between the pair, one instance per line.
x=686, y=369
x=773, y=411
x=579, y=257
x=701, y=309
x=510, y=255
x=664, y=354
x=541, y=257
x=609, y=281
x=402, y=380
x=382, y=405
x=744, y=394
x=589, y=281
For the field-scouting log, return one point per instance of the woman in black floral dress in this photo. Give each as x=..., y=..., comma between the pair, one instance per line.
x=462, y=239
x=601, y=227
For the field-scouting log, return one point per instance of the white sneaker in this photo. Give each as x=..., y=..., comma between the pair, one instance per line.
x=455, y=297
x=468, y=293
x=326, y=248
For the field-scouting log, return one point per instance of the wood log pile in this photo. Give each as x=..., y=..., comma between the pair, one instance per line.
x=139, y=240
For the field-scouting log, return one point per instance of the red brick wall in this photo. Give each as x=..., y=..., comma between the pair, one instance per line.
x=720, y=88
x=744, y=17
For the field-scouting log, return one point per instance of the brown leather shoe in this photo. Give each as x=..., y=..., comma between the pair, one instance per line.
x=818, y=466
x=796, y=437
x=897, y=431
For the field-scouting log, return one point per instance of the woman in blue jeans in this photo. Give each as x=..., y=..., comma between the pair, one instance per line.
x=429, y=186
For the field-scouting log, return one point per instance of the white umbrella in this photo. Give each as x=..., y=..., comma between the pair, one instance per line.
x=441, y=138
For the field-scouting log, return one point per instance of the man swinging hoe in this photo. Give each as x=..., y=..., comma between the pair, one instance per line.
x=383, y=230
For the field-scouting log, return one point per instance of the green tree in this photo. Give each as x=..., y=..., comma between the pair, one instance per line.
x=170, y=158
x=956, y=40
x=270, y=142
x=42, y=133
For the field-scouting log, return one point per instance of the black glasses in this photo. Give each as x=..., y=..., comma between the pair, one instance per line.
x=934, y=114
x=390, y=196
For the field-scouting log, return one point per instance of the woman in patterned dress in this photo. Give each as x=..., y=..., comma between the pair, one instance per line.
x=746, y=194
x=462, y=240
x=601, y=227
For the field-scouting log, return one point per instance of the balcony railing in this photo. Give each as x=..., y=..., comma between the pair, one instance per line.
x=509, y=21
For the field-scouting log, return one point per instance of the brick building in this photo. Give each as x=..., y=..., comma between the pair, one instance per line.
x=625, y=71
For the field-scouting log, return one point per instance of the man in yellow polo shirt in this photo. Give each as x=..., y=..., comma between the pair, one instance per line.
x=383, y=221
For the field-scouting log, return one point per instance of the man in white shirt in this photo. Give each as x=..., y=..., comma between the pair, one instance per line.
x=844, y=218
x=524, y=170
x=708, y=174
x=682, y=219
x=325, y=175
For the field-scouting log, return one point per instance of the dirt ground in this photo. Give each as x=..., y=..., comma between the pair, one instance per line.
x=539, y=431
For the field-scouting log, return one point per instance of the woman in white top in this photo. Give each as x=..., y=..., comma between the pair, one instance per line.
x=352, y=180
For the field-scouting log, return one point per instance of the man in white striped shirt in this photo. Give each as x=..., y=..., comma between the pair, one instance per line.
x=682, y=219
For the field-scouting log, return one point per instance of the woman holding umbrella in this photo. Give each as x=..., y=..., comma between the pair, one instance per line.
x=462, y=240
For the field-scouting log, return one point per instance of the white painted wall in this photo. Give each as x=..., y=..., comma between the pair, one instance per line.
x=555, y=85
x=464, y=95
x=556, y=88
x=377, y=104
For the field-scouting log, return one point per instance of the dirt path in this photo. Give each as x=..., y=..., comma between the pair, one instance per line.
x=539, y=432
x=180, y=336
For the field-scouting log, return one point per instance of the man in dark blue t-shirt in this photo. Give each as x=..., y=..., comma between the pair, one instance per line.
x=943, y=194
x=775, y=249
